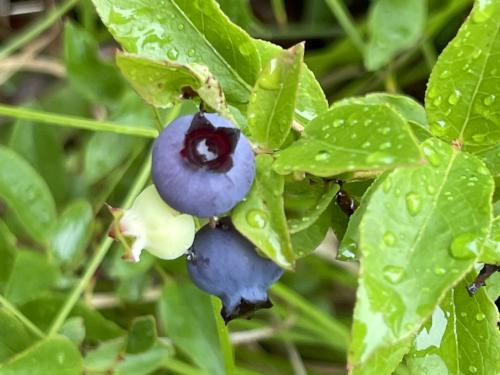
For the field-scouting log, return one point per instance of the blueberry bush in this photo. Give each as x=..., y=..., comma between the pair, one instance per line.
x=187, y=187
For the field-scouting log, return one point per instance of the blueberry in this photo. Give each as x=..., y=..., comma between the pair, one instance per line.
x=224, y=263
x=202, y=165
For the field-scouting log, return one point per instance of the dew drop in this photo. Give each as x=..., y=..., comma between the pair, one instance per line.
x=479, y=138
x=480, y=317
x=322, y=155
x=463, y=314
x=385, y=146
x=389, y=238
x=173, y=53
x=430, y=189
x=180, y=27
x=256, y=218
x=366, y=144
x=472, y=369
x=454, y=97
x=271, y=76
x=431, y=155
x=439, y=127
x=439, y=271
x=379, y=157
x=437, y=102
x=433, y=92
x=387, y=184
x=477, y=52
x=393, y=274
x=465, y=246
x=338, y=123
x=489, y=100
x=445, y=74
x=413, y=203
x=191, y=52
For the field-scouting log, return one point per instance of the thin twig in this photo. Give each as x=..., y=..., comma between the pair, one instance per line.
x=44, y=65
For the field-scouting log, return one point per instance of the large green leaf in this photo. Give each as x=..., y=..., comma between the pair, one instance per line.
x=7, y=254
x=352, y=137
x=31, y=275
x=461, y=338
x=72, y=233
x=186, y=32
x=393, y=26
x=14, y=336
x=272, y=104
x=26, y=194
x=261, y=216
x=95, y=79
x=435, y=220
x=55, y=355
x=162, y=83
x=489, y=154
x=187, y=316
x=37, y=143
x=461, y=98
x=307, y=240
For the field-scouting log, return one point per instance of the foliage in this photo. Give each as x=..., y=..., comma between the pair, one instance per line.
x=424, y=176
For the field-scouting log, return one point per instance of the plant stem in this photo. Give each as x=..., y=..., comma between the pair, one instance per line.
x=336, y=329
x=279, y=12
x=102, y=250
x=45, y=22
x=14, y=311
x=75, y=122
x=224, y=339
x=342, y=14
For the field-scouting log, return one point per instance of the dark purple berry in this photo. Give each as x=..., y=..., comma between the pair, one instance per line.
x=202, y=165
x=224, y=263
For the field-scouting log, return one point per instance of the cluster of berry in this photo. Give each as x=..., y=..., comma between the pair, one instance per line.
x=202, y=166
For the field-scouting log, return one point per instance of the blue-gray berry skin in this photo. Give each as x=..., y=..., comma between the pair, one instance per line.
x=188, y=179
x=224, y=263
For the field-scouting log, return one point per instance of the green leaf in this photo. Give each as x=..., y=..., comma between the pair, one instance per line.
x=493, y=286
x=31, y=275
x=462, y=336
x=436, y=216
x=93, y=78
x=311, y=101
x=105, y=151
x=162, y=83
x=72, y=233
x=14, y=336
x=349, y=246
x=186, y=315
x=307, y=240
x=74, y=329
x=55, y=355
x=406, y=106
x=490, y=155
x=261, y=216
x=272, y=104
x=186, y=32
x=26, y=194
x=306, y=217
x=40, y=147
x=461, y=97
x=42, y=310
x=7, y=254
x=491, y=250
x=348, y=138
x=393, y=26
x=142, y=335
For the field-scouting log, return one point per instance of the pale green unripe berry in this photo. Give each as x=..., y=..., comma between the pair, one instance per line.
x=152, y=225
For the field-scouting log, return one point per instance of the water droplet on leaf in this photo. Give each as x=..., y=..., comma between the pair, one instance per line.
x=256, y=218
x=431, y=155
x=480, y=317
x=393, y=274
x=413, y=203
x=173, y=53
x=389, y=238
x=465, y=246
x=454, y=97
x=489, y=100
x=322, y=155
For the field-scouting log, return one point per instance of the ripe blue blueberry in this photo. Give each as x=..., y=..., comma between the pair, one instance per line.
x=224, y=263
x=202, y=165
